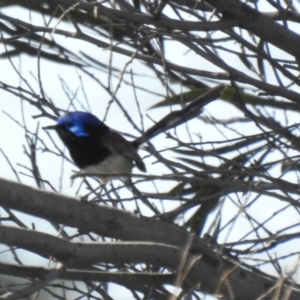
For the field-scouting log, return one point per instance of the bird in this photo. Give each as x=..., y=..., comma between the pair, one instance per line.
x=96, y=148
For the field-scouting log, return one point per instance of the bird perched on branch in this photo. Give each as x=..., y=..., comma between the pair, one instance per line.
x=95, y=148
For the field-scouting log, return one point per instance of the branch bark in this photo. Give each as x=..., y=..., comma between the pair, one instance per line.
x=215, y=272
x=259, y=24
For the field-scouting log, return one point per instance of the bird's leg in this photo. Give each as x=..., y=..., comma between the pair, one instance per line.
x=139, y=195
x=79, y=187
x=74, y=176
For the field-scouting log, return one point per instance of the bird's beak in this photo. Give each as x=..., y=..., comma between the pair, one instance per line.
x=50, y=127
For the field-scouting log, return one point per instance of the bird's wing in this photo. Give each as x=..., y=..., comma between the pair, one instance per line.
x=120, y=146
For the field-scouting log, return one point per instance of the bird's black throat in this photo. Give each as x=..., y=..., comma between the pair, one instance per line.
x=85, y=151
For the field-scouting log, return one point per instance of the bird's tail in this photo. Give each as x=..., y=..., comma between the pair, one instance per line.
x=178, y=117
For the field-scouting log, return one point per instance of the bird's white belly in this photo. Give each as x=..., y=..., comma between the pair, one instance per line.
x=113, y=164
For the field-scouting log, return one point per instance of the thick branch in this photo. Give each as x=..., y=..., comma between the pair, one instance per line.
x=213, y=271
x=142, y=19
x=259, y=24
x=124, y=278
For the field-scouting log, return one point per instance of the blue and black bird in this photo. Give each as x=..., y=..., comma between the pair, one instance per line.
x=95, y=148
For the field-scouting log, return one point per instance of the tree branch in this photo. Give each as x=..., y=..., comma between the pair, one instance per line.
x=119, y=224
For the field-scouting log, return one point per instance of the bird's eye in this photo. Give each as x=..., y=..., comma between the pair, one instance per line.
x=69, y=124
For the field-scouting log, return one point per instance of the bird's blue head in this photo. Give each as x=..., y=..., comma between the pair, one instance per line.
x=81, y=124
